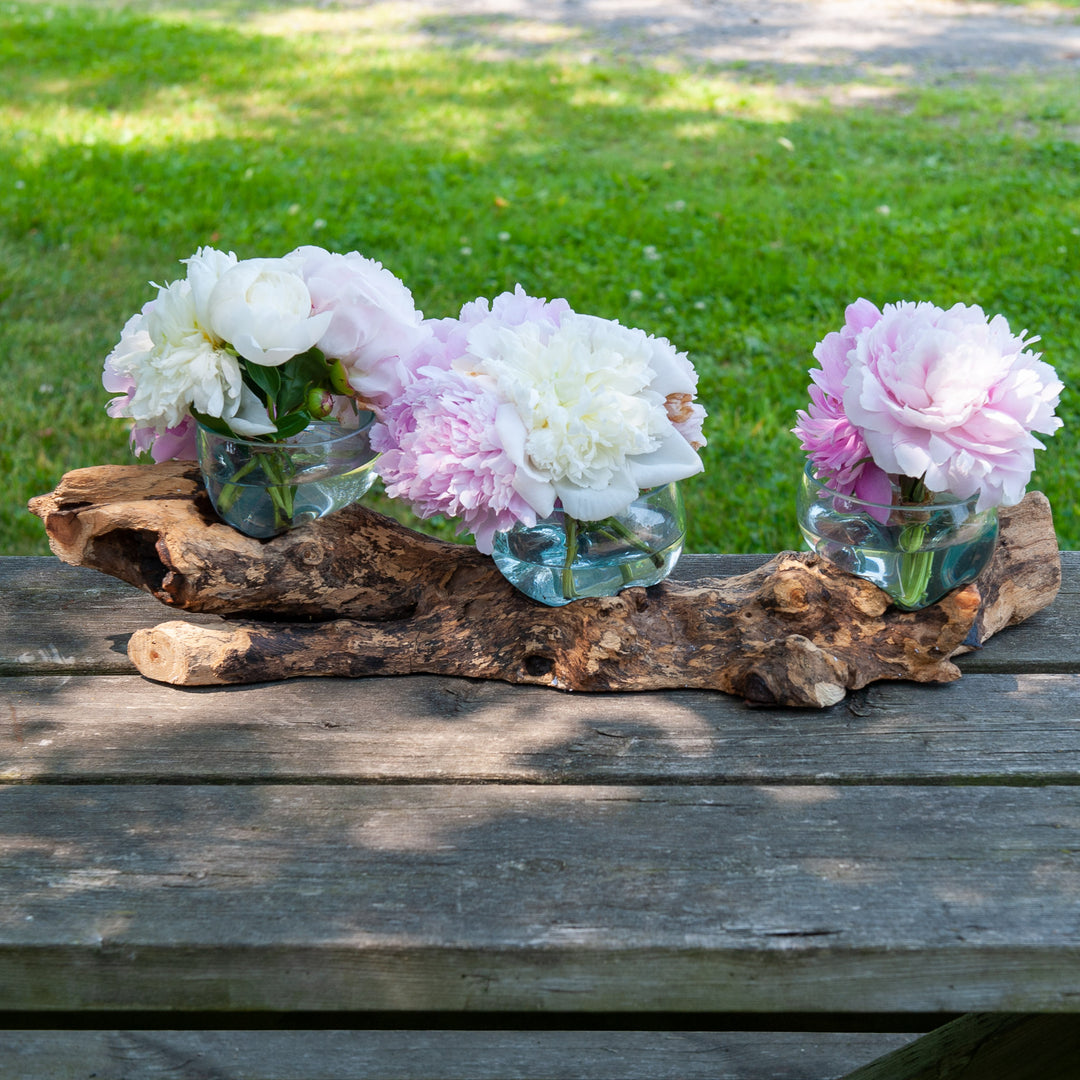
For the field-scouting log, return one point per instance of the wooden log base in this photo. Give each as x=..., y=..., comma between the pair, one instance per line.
x=359, y=594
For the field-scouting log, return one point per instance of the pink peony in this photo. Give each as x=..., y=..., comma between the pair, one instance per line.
x=449, y=443
x=950, y=397
x=374, y=325
x=834, y=445
x=522, y=404
x=176, y=443
x=444, y=446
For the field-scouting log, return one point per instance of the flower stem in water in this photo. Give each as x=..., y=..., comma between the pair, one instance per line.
x=611, y=528
x=915, y=565
x=614, y=529
x=278, y=469
x=570, y=525
x=230, y=489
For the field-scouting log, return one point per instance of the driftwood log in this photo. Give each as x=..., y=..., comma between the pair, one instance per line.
x=358, y=594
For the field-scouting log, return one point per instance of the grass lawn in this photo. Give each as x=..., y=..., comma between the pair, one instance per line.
x=729, y=210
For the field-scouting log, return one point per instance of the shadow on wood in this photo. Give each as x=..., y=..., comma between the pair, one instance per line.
x=986, y=1046
x=358, y=594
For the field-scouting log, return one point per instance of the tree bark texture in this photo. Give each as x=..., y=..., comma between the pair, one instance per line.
x=358, y=594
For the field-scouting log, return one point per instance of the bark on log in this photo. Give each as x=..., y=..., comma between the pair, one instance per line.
x=358, y=594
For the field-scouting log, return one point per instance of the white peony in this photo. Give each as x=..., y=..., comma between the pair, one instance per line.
x=262, y=307
x=170, y=363
x=204, y=271
x=190, y=350
x=591, y=396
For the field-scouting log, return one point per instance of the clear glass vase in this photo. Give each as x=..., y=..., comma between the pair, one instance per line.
x=915, y=553
x=266, y=488
x=560, y=559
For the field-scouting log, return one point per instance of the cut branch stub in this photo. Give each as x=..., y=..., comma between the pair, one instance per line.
x=358, y=594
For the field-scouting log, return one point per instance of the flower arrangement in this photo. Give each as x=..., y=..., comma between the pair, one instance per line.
x=260, y=348
x=501, y=416
x=913, y=404
x=521, y=404
x=257, y=351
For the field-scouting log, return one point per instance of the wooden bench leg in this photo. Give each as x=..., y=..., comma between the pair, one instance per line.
x=987, y=1046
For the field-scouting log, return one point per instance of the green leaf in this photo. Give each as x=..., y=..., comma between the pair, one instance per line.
x=214, y=423
x=299, y=376
x=266, y=379
x=312, y=367
x=292, y=396
x=292, y=424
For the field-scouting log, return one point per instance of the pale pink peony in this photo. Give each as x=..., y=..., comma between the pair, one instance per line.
x=444, y=446
x=450, y=337
x=374, y=326
x=832, y=443
x=950, y=397
x=514, y=309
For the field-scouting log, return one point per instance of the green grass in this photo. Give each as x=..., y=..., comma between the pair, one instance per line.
x=718, y=208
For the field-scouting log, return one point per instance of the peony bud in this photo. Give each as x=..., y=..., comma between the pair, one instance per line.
x=339, y=378
x=319, y=403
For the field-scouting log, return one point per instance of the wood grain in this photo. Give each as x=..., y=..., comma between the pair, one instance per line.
x=985, y=728
x=438, y=1055
x=436, y=845
x=60, y=619
x=518, y=897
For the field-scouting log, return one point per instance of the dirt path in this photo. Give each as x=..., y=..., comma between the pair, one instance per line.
x=826, y=39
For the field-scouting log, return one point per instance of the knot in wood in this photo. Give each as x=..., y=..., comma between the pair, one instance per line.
x=789, y=594
x=310, y=553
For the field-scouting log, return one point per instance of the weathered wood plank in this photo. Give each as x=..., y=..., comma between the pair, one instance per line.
x=438, y=1055
x=66, y=619
x=547, y=898
x=1021, y=729
x=986, y=1047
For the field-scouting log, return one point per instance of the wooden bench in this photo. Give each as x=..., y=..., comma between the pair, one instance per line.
x=433, y=877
